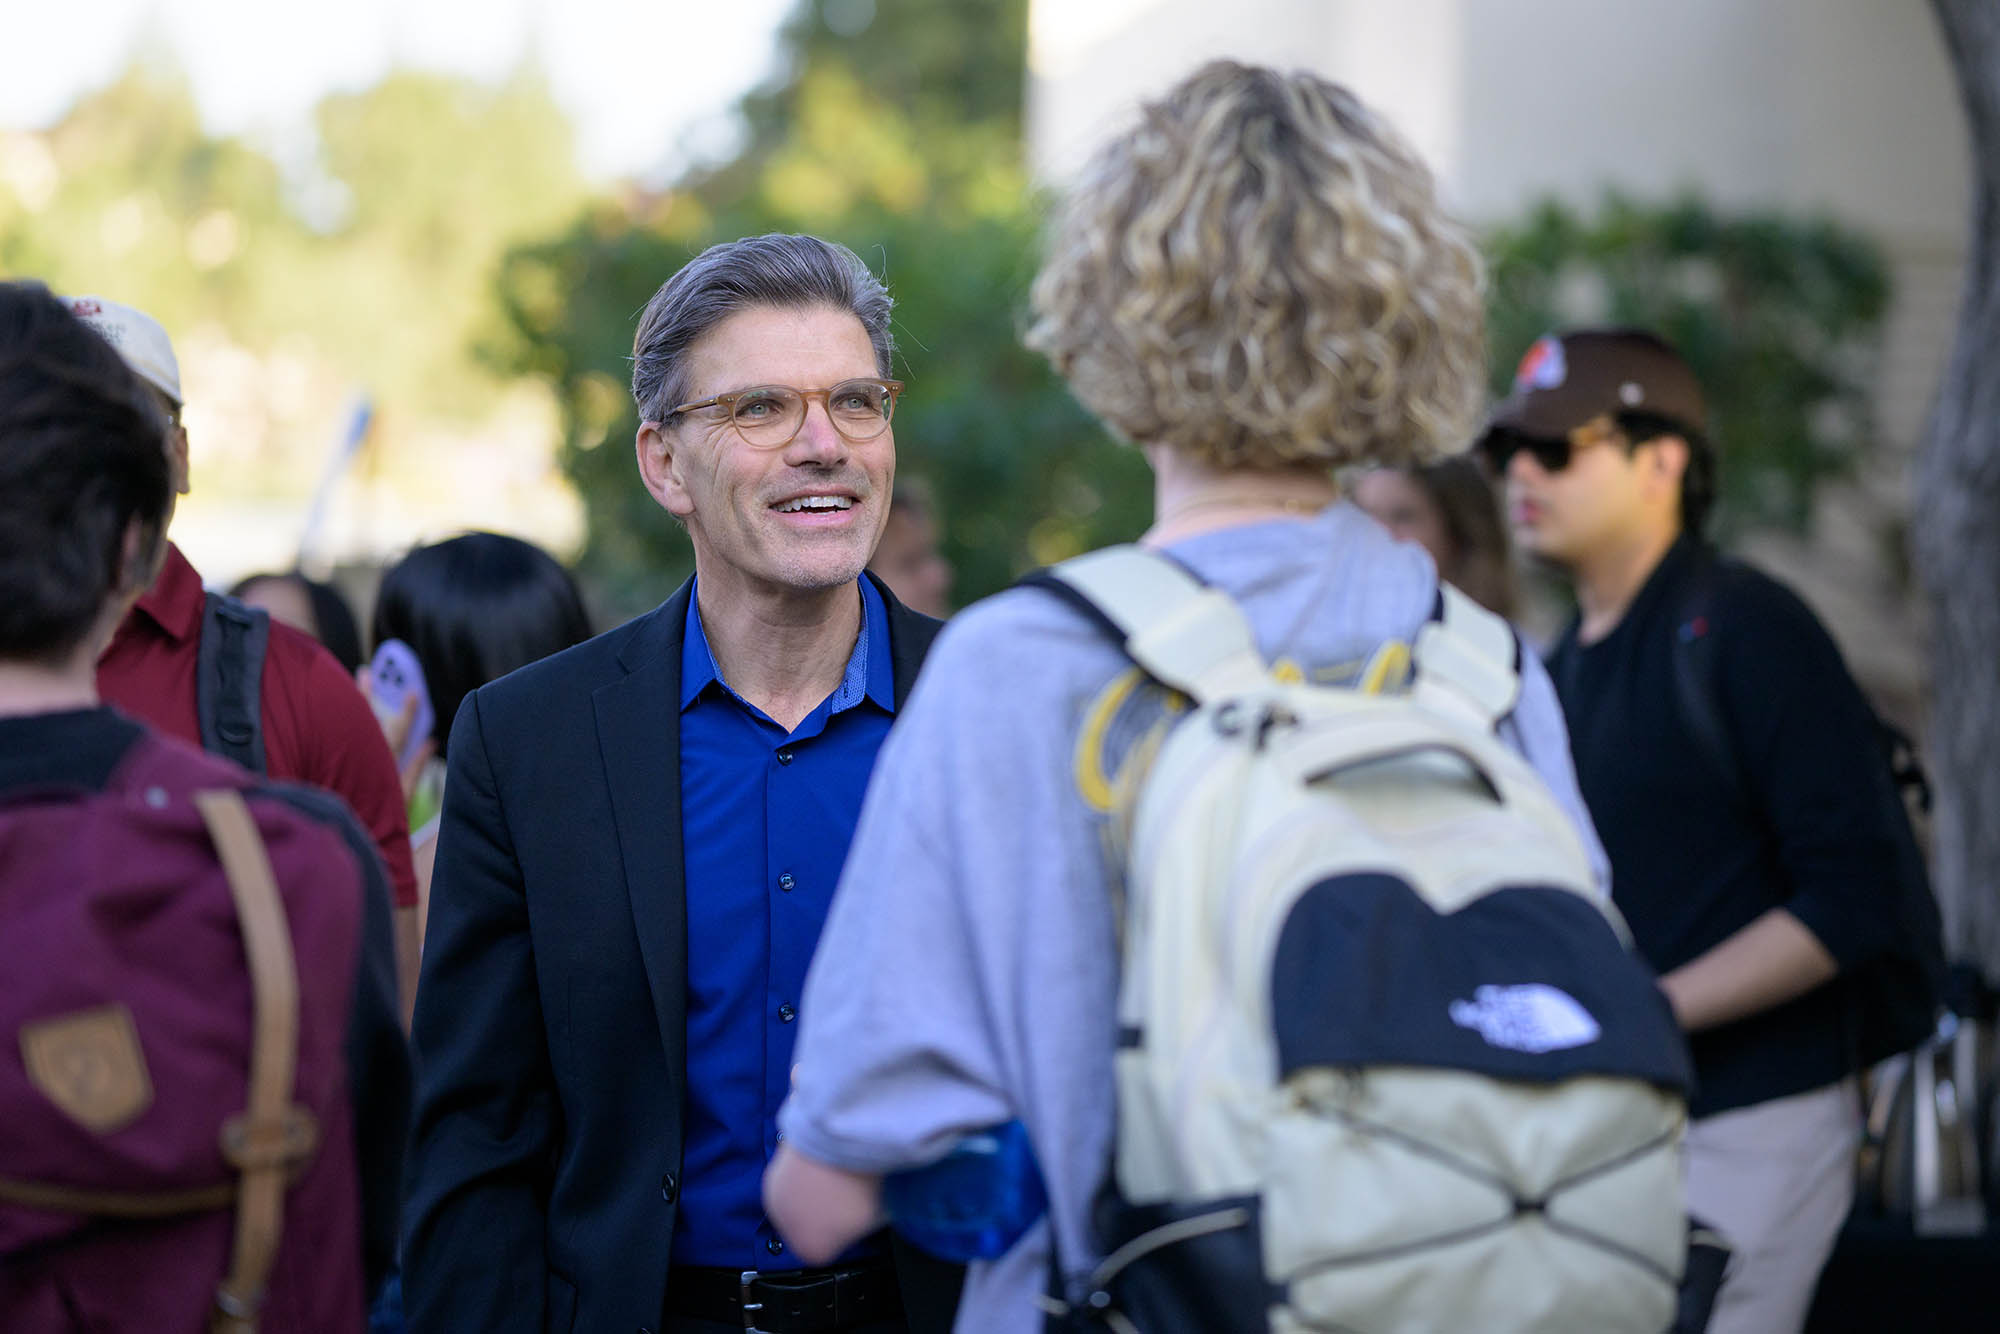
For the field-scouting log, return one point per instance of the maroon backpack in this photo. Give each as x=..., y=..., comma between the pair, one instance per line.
x=176, y=1141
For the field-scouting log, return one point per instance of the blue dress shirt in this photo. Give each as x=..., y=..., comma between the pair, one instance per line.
x=766, y=817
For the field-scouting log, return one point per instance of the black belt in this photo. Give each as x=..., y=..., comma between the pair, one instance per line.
x=787, y=1301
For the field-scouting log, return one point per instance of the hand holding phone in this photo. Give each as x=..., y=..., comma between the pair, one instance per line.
x=395, y=679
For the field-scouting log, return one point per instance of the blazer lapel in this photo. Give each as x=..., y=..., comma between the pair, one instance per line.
x=639, y=735
x=910, y=636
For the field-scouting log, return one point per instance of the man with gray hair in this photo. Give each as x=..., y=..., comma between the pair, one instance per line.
x=640, y=840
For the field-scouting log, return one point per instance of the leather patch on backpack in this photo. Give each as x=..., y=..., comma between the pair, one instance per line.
x=89, y=1064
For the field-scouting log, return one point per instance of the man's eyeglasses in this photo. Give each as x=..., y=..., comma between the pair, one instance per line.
x=770, y=416
x=1551, y=453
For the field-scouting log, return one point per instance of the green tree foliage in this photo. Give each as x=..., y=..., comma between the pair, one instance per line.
x=429, y=178
x=900, y=138
x=443, y=176
x=129, y=197
x=956, y=71
x=1781, y=319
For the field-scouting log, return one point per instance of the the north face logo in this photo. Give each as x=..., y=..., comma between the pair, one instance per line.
x=1533, y=1017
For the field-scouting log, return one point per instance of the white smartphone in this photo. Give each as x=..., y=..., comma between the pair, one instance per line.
x=394, y=675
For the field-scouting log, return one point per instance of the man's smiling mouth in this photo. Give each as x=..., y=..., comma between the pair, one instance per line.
x=816, y=505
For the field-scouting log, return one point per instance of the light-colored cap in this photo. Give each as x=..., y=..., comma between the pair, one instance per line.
x=139, y=338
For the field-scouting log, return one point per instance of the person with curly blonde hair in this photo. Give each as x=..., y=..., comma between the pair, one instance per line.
x=1258, y=278
x=1255, y=285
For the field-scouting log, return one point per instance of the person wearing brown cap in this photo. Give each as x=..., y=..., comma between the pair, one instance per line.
x=167, y=664
x=1758, y=886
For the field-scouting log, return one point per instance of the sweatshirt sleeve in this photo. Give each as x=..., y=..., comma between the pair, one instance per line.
x=1809, y=747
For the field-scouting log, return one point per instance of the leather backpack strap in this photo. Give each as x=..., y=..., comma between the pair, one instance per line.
x=272, y=1134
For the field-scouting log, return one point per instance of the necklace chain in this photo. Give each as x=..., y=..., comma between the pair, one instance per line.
x=1285, y=505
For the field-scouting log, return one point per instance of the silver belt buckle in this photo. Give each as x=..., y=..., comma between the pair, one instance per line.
x=746, y=1280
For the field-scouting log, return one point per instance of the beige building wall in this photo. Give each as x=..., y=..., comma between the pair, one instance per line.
x=1843, y=106
x=1839, y=107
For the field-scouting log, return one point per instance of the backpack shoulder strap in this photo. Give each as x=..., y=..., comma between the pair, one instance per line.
x=1468, y=661
x=229, y=677
x=1184, y=633
x=273, y=1134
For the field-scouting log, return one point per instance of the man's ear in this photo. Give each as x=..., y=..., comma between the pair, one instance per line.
x=139, y=558
x=658, y=450
x=177, y=457
x=1668, y=463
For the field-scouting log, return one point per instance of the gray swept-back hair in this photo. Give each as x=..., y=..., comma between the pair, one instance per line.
x=784, y=271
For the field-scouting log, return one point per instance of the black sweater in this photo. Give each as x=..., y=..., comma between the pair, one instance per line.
x=1692, y=862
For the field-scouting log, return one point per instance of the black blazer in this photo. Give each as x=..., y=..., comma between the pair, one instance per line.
x=551, y=1018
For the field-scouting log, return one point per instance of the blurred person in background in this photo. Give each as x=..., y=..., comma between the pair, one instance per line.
x=108, y=1220
x=176, y=657
x=311, y=605
x=1451, y=509
x=907, y=559
x=1756, y=906
x=640, y=840
x=472, y=609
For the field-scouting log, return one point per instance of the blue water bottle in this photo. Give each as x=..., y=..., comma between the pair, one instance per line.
x=975, y=1202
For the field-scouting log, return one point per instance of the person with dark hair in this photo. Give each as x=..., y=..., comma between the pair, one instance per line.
x=86, y=487
x=472, y=609
x=138, y=941
x=1450, y=509
x=640, y=840
x=311, y=605
x=183, y=658
x=1757, y=907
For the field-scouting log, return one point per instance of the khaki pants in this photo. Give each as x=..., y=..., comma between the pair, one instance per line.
x=1776, y=1179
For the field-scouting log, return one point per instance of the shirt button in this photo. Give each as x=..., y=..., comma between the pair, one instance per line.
x=774, y=1246
x=786, y=1013
x=786, y=883
x=784, y=757
x=670, y=1189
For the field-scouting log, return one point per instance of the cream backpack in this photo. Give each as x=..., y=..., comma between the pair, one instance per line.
x=1387, y=1064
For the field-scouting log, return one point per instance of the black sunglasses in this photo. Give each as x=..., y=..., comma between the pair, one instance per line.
x=1551, y=453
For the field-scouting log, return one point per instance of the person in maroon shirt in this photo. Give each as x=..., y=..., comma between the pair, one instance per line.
x=317, y=727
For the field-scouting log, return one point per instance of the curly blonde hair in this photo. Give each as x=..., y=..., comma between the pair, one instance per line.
x=1259, y=275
